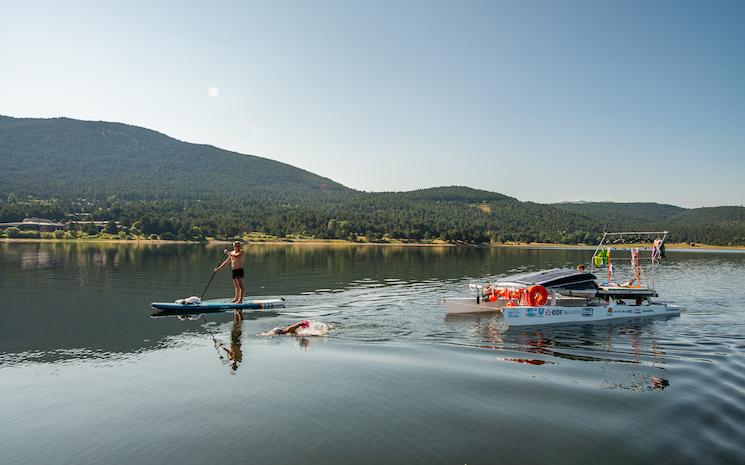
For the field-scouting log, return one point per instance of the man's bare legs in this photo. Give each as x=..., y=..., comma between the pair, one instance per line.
x=235, y=294
x=238, y=283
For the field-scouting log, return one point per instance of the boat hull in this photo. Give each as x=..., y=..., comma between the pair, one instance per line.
x=529, y=316
x=456, y=305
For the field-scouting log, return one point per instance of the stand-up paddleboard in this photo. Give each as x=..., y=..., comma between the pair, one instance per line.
x=218, y=305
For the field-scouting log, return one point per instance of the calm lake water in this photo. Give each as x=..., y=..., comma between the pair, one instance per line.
x=88, y=377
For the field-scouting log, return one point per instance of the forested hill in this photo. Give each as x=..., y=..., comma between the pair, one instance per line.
x=153, y=184
x=711, y=225
x=628, y=213
x=70, y=159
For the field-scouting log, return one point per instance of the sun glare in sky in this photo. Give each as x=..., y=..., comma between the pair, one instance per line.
x=396, y=96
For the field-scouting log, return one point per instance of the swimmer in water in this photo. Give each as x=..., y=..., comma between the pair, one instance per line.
x=292, y=329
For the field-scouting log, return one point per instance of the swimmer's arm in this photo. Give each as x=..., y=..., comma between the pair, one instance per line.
x=293, y=328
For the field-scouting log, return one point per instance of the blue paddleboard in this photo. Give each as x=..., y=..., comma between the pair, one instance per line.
x=214, y=305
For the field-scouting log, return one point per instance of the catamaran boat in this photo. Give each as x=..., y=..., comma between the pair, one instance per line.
x=563, y=295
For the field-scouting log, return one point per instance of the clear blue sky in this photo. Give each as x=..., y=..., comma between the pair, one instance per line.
x=544, y=101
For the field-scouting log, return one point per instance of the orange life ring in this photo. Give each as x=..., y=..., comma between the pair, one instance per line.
x=537, y=296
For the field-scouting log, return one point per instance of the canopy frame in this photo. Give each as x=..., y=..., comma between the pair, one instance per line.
x=626, y=241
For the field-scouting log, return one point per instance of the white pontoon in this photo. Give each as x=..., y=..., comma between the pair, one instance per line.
x=574, y=296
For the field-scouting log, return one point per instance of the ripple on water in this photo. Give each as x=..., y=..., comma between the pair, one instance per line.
x=635, y=391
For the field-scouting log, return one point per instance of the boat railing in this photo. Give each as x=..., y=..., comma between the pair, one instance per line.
x=626, y=242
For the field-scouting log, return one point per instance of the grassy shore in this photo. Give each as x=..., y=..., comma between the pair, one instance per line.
x=222, y=242
x=94, y=240
x=668, y=246
x=273, y=240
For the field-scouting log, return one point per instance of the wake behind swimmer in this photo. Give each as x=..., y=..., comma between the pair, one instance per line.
x=301, y=328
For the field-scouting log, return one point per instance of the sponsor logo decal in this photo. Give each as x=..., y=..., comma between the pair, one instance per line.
x=555, y=312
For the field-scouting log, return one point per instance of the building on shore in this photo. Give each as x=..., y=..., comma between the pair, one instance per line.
x=47, y=225
x=34, y=224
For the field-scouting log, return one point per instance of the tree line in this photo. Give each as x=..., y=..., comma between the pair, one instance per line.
x=372, y=217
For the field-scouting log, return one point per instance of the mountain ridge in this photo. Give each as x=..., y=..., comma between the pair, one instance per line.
x=62, y=147
x=154, y=183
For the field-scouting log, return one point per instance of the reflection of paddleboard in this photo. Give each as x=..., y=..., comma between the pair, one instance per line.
x=219, y=305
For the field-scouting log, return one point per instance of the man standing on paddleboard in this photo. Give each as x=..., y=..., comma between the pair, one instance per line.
x=235, y=257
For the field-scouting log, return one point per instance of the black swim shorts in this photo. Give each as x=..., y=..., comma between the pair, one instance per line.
x=237, y=273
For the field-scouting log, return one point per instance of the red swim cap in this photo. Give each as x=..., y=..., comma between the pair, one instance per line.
x=304, y=324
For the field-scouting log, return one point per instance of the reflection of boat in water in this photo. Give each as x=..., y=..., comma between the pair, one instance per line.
x=563, y=295
x=625, y=350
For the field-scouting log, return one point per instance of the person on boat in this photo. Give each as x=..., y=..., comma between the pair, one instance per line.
x=235, y=257
x=292, y=329
x=581, y=267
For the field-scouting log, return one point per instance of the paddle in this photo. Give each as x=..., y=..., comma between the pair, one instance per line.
x=214, y=340
x=224, y=253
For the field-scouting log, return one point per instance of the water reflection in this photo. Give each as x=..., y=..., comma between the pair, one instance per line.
x=234, y=353
x=627, y=351
x=79, y=326
x=529, y=361
x=231, y=354
x=303, y=343
x=66, y=297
